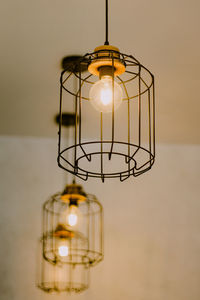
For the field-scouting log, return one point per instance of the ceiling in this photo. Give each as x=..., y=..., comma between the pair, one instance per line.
x=36, y=35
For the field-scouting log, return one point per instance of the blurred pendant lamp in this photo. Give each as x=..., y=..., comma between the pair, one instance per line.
x=58, y=277
x=72, y=239
x=115, y=103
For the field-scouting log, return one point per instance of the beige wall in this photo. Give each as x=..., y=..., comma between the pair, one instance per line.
x=152, y=224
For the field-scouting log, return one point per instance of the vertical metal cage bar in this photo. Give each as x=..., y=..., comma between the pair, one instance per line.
x=102, y=231
x=153, y=116
x=149, y=117
x=60, y=119
x=75, y=135
x=93, y=230
x=52, y=226
x=43, y=228
x=70, y=268
x=42, y=271
x=88, y=225
x=55, y=281
x=80, y=100
x=101, y=126
x=128, y=136
x=113, y=111
x=139, y=107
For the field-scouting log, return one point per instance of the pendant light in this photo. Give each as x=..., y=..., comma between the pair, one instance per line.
x=73, y=228
x=72, y=239
x=115, y=101
x=57, y=277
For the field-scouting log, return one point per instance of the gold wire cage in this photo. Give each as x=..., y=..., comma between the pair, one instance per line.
x=83, y=238
x=57, y=278
x=72, y=240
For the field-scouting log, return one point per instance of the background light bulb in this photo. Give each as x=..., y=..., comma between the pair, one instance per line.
x=72, y=216
x=101, y=94
x=63, y=250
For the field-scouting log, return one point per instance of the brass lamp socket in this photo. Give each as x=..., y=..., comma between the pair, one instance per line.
x=106, y=56
x=73, y=193
x=62, y=232
x=73, y=202
x=106, y=71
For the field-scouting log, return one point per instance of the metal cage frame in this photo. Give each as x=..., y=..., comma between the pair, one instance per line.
x=85, y=243
x=144, y=93
x=49, y=276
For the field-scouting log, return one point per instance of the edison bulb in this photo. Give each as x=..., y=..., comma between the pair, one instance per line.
x=63, y=250
x=101, y=94
x=72, y=216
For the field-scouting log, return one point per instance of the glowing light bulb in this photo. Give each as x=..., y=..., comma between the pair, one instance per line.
x=63, y=250
x=101, y=94
x=72, y=216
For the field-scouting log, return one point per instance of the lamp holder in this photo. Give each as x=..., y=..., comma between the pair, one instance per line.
x=74, y=63
x=73, y=192
x=106, y=56
x=62, y=232
x=68, y=119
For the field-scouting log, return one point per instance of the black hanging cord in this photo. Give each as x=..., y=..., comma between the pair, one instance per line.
x=106, y=41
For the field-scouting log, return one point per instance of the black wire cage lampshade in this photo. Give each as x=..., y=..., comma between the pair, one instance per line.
x=115, y=100
x=73, y=228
